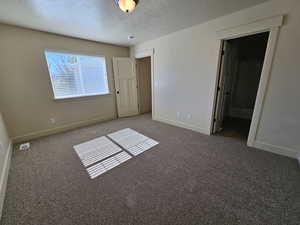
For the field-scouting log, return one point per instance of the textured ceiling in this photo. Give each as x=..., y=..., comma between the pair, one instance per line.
x=101, y=20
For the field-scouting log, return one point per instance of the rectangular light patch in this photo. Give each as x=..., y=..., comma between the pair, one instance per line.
x=108, y=164
x=96, y=150
x=133, y=141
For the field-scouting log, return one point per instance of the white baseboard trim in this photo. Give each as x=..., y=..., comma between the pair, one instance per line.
x=292, y=153
x=4, y=176
x=182, y=125
x=62, y=128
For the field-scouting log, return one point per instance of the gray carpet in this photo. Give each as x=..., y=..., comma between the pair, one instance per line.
x=189, y=178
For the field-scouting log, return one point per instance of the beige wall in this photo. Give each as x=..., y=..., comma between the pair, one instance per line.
x=26, y=97
x=185, y=69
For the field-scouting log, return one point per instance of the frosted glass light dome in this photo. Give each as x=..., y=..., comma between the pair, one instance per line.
x=127, y=5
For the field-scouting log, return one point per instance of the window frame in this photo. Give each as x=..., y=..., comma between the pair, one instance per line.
x=78, y=54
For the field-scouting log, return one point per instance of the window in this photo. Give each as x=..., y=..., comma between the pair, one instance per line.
x=76, y=75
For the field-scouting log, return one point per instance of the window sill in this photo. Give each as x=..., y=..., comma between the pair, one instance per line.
x=80, y=97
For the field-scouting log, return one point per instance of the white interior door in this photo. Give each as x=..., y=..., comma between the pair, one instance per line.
x=126, y=86
x=219, y=110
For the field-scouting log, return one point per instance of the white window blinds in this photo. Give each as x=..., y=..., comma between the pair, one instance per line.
x=76, y=75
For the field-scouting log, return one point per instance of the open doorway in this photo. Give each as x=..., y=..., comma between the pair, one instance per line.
x=143, y=71
x=240, y=72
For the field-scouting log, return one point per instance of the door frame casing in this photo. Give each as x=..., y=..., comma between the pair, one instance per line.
x=271, y=25
x=143, y=54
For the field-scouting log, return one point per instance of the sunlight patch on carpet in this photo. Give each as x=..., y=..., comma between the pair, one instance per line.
x=133, y=141
x=108, y=164
x=103, y=154
x=96, y=150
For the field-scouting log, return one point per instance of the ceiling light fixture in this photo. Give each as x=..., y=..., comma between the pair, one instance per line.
x=127, y=5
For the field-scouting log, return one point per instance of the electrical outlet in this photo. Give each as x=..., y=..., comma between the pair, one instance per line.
x=52, y=120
